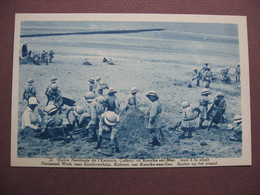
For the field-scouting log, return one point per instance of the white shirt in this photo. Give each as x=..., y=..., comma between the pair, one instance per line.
x=29, y=119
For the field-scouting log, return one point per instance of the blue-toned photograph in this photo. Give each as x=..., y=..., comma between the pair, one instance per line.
x=129, y=90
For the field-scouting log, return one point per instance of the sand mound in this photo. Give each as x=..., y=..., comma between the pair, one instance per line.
x=132, y=134
x=132, y=125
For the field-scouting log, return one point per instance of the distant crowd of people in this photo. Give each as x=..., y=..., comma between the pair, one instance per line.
x=36, y=58
x=205, y=74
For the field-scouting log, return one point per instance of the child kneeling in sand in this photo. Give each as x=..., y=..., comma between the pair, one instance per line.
x=52, y=122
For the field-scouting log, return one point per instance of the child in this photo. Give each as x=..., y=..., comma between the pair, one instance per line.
x=197, y=76
x=204, y=102
x=154, y=120
x=188, y=116
x=237, y=73
x=108, y=122
x=217, y=110
x=97, y=81
x=91, y=84
x=29, y=90
x=30, y=119
x=208, y=76
x=237, y=129
x=131, y=103
x=77, y=114
x=100, y=88
x=96, y=109
x=54, y=95
x=52, y=123
x=112, y=101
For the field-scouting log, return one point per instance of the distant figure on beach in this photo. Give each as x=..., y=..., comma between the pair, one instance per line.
x=24, y=50
x=86, y=62
x=44, y=57
x=225, y=75
x=110, y=62
x=105, y=59
x=237, y=73
x=36, y=58
x=196, y=76
x=51, y=56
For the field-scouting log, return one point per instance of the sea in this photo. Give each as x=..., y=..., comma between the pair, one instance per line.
x=184, y=43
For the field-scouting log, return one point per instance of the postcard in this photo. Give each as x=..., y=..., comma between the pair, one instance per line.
x=130, y=91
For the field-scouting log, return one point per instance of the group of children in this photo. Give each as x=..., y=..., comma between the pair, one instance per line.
x=206, y=75
x=218, y=106
x=37, y=58
x=214, y=114
x=101, y=113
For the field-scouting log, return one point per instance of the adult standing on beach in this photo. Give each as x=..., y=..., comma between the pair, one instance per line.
x=237, y=73
x=24, y=50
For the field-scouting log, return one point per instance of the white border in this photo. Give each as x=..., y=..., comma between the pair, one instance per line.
x=245, y=159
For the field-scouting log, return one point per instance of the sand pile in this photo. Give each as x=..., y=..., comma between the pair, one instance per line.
x=132, y=134
x=132, y=125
